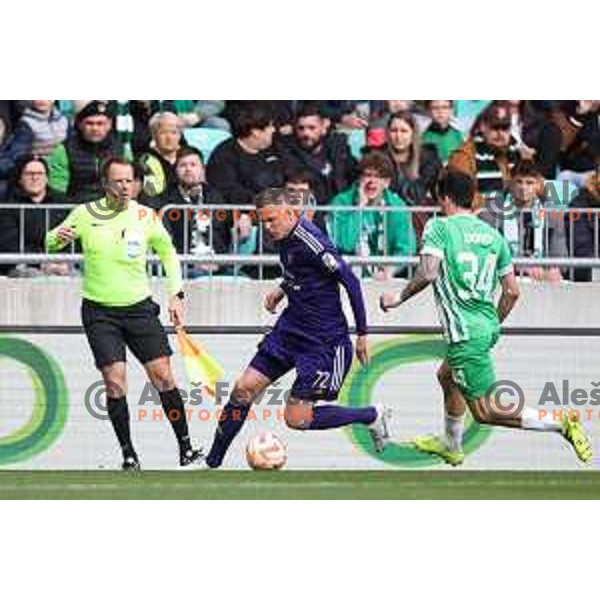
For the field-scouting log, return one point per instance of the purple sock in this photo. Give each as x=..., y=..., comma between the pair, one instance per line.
x=332, y=416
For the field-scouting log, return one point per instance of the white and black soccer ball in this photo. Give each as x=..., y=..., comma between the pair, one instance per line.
x=266, y=451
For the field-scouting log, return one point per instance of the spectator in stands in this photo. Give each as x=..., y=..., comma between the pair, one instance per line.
x=159, y=162
x=579, y=122
x=29, y=186
x=582, y=228
x=241, y=167
x=396, y=106
x=325, y=154
x=381, y=111
x=247, y=163
x=373, y=233
x=10, y=112
x=16, y=145
x=440, y=133
x=284, y=115
x=346, y=114
x=517, y=118
x=381, y=114
x=192, y=113
x=534, y=227
x=353, y=114
x=416, y=166
x=192, y=190
x=40, y=129
x=490, y=154
x=47, y=125
x=538, y=137
x=299, y=184
x=75, y=164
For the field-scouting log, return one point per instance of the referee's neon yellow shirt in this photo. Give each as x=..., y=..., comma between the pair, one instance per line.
x=115, y=250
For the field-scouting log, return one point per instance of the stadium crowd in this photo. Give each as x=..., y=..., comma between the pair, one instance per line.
x=542, y=157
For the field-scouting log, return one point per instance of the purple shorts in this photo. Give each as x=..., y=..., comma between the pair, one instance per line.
x=320, y=369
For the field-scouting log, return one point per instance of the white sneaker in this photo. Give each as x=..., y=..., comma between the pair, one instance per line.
x=379, y=429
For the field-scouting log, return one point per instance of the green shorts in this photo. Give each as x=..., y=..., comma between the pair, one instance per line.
x=472, y=365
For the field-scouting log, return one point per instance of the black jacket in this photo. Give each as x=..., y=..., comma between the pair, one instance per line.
x=334, y=169
x=540, y=133
x=581, y=233
x=85, y=160
x=34, y=223
x=416, y=191
x=239, y=176
x=221, y=236
x=583, y=152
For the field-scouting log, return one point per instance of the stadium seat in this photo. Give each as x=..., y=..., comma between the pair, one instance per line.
x=357, y=140
x=66, y=108
x=466, y=111
x=205, y=139
x=249, y=245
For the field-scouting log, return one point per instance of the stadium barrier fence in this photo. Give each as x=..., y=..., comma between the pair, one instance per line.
x=251, y=252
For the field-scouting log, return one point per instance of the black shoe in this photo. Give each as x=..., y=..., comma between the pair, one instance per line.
x=191, y=458
x=131, y=463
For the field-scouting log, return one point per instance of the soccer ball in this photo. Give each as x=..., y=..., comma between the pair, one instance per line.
x=266, y=451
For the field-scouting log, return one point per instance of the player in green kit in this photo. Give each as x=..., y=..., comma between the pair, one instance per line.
x=465, y=259
x=117, y=310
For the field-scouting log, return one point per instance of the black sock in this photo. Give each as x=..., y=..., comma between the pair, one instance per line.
x=173, y=407
x=229, y=425
x=118, y=412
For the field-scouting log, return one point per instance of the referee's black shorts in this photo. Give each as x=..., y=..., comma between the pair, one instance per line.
x=109, y=329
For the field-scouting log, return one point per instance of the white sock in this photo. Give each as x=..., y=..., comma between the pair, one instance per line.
x=454, y=433
x=530, y=419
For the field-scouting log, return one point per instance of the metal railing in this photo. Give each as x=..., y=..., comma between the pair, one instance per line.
x=511, y=330
x=557, y=226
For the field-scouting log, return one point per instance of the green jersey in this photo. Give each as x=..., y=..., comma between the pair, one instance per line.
x=474, y=258
x=115, y=251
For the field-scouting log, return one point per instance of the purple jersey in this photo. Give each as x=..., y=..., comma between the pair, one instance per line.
x=313, y=272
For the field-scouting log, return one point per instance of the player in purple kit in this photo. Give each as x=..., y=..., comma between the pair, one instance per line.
x=311, y=335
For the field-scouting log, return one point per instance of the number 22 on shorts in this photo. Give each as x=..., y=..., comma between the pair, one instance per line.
x=321, y=380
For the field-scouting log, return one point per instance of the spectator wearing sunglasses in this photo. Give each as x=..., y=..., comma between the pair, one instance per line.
x=490, y=153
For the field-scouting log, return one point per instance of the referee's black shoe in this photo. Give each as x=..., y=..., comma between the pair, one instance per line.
x=131, y=463
x=191, y=458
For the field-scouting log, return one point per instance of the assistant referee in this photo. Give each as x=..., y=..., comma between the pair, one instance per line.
x=117, y=311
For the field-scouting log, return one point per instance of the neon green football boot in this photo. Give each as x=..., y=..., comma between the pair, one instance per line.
x=433, y=444
x=574, y=433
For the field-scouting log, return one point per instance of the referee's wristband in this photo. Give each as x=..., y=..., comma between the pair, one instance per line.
x=180, y=295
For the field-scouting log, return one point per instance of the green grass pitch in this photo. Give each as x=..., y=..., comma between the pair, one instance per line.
x=334, y=485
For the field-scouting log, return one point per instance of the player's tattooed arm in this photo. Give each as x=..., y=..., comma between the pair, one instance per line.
x=426, y=273
x=510, y=295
